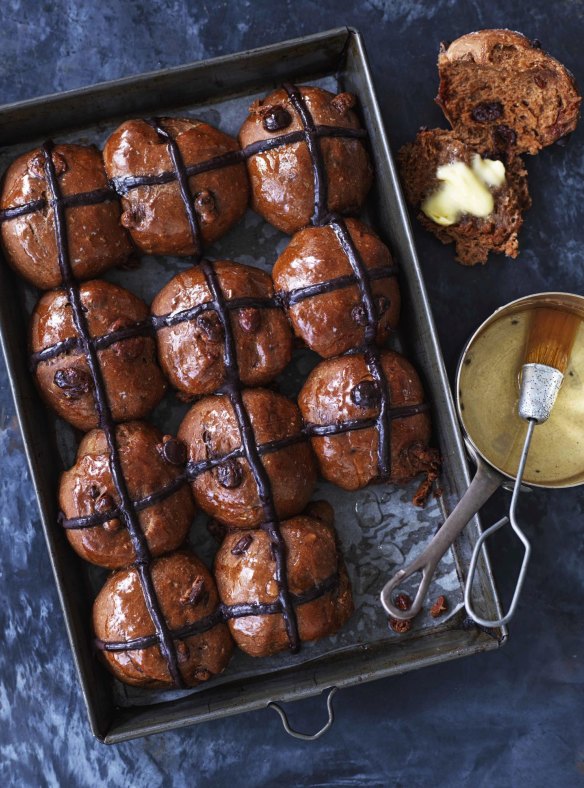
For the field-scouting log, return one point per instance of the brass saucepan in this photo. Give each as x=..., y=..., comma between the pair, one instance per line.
x=486, y=402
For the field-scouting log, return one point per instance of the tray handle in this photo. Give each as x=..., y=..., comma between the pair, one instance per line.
x=307, y=736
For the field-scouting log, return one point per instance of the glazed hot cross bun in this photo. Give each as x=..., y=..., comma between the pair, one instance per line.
x=187, y=596
x=227, y=489
x=317, y=580
x=314, y=279
x=282, y=177
x=154, y=212
x=152, y=465
x=96, y=239
x=192, y=350
x=341, y=402
x=126, y=354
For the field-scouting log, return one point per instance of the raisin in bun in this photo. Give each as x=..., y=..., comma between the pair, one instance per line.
x=473, y=236
x=96, y=239
x=155, y=214
x=187, y=593
x=245, y=571
x=282, y=180
x=151, y=463
x=229, y=491
x=499, y=89
x=132, y=377
x=343, y=389
x=192, y=352
x=333, y=322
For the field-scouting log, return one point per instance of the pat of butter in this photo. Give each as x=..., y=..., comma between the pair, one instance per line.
x=490, y=171
x=464, y=190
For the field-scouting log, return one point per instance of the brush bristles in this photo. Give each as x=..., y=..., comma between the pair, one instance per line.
x=551, y=337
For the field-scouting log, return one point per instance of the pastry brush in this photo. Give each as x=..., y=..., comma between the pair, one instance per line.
x=549, y=343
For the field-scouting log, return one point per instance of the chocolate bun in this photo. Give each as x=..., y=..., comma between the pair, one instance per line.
x=229, y=491
x=334, y=321
x=155, y=214
x=192, y=352
x=282, y=181
x=501, y=90
x=187, y=593
x=151, y=464
x=132, y=377
x=343, y=389
x=473, y=236
x=96, y=239
x=245, y=572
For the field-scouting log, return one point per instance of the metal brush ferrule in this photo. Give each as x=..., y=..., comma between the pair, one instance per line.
x=539, y=388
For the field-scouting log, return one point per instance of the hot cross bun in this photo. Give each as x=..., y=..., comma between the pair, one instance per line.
x=187, y=594
x=192, y=352
x=155, y=214
x=132, y=377
x=245, y=571
x=333, y=321
x=152, y=464
x=343, y=390
x=228, y=490
x=282, y=183
x=96, y=239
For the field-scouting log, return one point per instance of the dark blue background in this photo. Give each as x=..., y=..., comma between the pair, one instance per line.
x=509, y=718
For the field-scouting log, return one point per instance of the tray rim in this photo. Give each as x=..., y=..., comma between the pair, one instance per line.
x=122, y=732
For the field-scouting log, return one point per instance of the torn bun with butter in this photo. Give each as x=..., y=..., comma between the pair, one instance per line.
x=464, y=195
x=503, y=96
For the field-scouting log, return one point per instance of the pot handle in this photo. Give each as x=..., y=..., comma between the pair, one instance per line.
x=512, y=518
x=307, y=736
x=483, y=485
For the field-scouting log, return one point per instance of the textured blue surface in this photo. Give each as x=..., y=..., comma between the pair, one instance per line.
x=509, y=718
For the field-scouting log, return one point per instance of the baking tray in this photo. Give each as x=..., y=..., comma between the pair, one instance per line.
x=217, y=90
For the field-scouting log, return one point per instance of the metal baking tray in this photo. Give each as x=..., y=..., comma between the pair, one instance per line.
x=219, y=90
